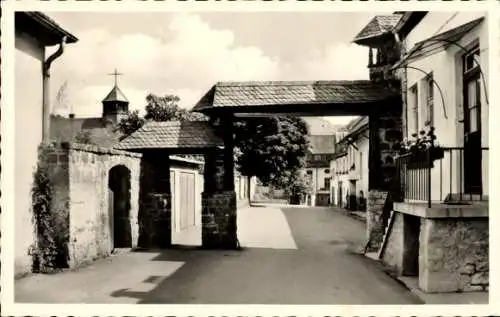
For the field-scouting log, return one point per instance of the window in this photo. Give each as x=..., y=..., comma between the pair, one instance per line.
x=473, y=102
x=471, y=60
x=413, y=103
x=472, y=90
x=309, y=172
x=327, y=171
x=327, y=182
x=429, y=99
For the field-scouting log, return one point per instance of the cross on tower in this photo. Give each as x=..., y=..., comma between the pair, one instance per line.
x=116, y=74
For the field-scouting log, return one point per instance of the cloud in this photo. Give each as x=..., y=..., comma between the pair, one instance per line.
x=187, y=61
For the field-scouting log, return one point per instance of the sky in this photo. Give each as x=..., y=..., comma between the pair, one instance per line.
x=186, y=53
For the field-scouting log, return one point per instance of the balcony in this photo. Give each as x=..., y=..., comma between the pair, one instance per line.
x=458, y=178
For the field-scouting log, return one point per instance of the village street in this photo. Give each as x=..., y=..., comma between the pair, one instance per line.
x=290, y=256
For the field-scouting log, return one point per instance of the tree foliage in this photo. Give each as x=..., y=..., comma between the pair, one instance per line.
x=131, y=123
x=83, y=137
x=273, y=149
x=158, y=108
x=166, y=108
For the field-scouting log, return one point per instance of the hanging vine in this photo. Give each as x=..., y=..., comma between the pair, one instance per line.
x=50, y=249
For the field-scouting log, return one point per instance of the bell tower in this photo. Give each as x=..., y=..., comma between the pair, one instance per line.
x=115, y=105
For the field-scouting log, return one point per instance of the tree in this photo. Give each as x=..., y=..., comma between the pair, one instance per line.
x=83, y=137
x=158, y=108
x=131, y=123
x=272, y=149
x=166, y=108
x=297, y=187
x=62, y=102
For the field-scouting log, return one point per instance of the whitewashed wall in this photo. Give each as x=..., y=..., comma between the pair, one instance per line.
x=357, y=157
x=446, y=67
x=29, y=55
x=363, y=148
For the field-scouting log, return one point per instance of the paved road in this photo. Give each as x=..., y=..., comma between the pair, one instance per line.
x=295, y=256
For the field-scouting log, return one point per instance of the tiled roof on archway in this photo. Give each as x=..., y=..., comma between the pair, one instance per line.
x=171, y=135
x=272, y=93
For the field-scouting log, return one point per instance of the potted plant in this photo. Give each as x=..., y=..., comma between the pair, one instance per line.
x=422, y=149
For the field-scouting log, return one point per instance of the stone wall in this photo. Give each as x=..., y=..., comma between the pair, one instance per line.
x=374, y=218
x=219, y=220
x=80, y=176
x=156, y=223
x=390, y=132
x=393, y=254
x=454, y=255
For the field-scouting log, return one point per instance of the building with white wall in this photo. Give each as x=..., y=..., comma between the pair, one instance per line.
x=349, y=186
x=444, y=77
x=34, y=33
x=317, y=169
x=433, y=227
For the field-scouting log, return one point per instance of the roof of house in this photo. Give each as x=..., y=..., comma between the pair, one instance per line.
x=265, y=93
x=45, y=29
x=322, y=144
x=172, y=135
x=355, y=127
x=378, y=26
x=357, y=123
x=438, y=42
x=408, y=21
x=319, y=126
x=115, y=95
x=100, y=130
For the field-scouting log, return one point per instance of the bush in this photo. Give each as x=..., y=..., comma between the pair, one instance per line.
x=297, y=187
x=83, y=137
x=50, y=250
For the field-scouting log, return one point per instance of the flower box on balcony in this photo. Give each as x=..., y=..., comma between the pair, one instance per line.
x=422, y=151
x=425, y=158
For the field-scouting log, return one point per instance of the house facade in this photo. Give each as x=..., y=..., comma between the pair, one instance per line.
x=349, y=186
x=34, y=33
x=317, y=171
x=436, y=226
x=445, y=89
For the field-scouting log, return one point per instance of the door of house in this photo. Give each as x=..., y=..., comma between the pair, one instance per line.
x=472, y=126
x=339, y=196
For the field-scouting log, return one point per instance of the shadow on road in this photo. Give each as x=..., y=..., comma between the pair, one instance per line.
x=323, y=270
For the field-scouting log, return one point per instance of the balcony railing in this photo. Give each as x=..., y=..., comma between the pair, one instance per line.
x=457, y=178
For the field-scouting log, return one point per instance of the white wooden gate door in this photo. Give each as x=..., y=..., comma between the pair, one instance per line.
x=184, y=195
x=187, y=200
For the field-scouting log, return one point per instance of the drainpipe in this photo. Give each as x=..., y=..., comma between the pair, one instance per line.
x=46, y=89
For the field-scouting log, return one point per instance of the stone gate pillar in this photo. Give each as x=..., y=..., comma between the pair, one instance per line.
x=155, y=221
x=385, y=127
x=219, y=197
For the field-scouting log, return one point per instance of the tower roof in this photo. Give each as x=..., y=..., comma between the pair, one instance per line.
x=115, y=95
x=378, y=26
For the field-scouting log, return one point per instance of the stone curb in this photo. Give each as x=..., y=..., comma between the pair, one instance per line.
x=351, y=214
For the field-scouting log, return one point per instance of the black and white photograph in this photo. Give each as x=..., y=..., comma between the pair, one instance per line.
x=236, y=157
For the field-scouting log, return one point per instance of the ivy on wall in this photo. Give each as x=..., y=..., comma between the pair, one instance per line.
x=50, y=251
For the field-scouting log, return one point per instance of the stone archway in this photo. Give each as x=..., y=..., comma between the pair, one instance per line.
x=119, y=203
